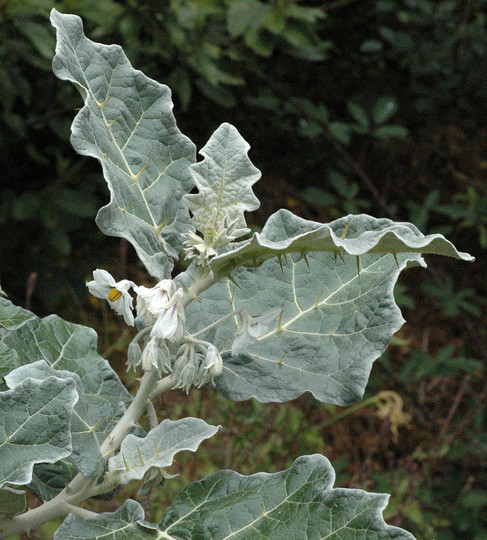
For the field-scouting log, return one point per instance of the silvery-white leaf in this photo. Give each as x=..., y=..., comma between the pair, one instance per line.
x=65, y=346
x=128, y=125
x=35, y=422
x=9, y=360
x=118, y=525
x=157, y=449
x=12, y=317
x=12, y=502
x=299, y=503
x=224, y=180
x=69, y=351
x=338, y=312
x=353, y=235
x=92, y=419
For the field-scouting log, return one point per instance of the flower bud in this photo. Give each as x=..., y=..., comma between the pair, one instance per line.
x=150, y=356
x=134, y=353
x=156, y=355
x=185, y=370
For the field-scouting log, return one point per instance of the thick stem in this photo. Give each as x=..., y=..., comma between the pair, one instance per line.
x=56, y=508
x=162, y=386
x=132, y=414
x=203, y=281
x=81, y=512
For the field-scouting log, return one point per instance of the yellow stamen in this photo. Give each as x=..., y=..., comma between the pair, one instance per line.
x=114, y=295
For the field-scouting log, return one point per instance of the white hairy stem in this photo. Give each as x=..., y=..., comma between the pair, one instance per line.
x=202, y=281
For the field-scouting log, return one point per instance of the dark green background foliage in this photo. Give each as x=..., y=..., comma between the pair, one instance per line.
x=374, y=106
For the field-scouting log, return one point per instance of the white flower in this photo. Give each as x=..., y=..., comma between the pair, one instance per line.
x=162, y=306
x=151, y=301
x=252, y=328
x=170, y=323
x=213, y=361
x=115, y=292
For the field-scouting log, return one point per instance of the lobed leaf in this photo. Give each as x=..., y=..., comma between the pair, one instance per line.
x=157, y=449
x=119, y=525
x=128, y=125
x=337, y=308
x=224, y=180
x=298, y=503
x=35, y=421
x=41, y=348
x=92, y=419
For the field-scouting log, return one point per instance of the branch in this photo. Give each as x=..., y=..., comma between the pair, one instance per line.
x=55, y=508
x=202, y=281
x=80, y=488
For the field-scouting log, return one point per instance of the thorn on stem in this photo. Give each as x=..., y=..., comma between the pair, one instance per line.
x=229, y=276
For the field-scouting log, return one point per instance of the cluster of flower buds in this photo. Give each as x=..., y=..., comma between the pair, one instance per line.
x=193, y=368
x=216, y=235
x=160, y=309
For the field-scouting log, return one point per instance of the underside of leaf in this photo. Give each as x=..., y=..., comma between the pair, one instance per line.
x=356, y=235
